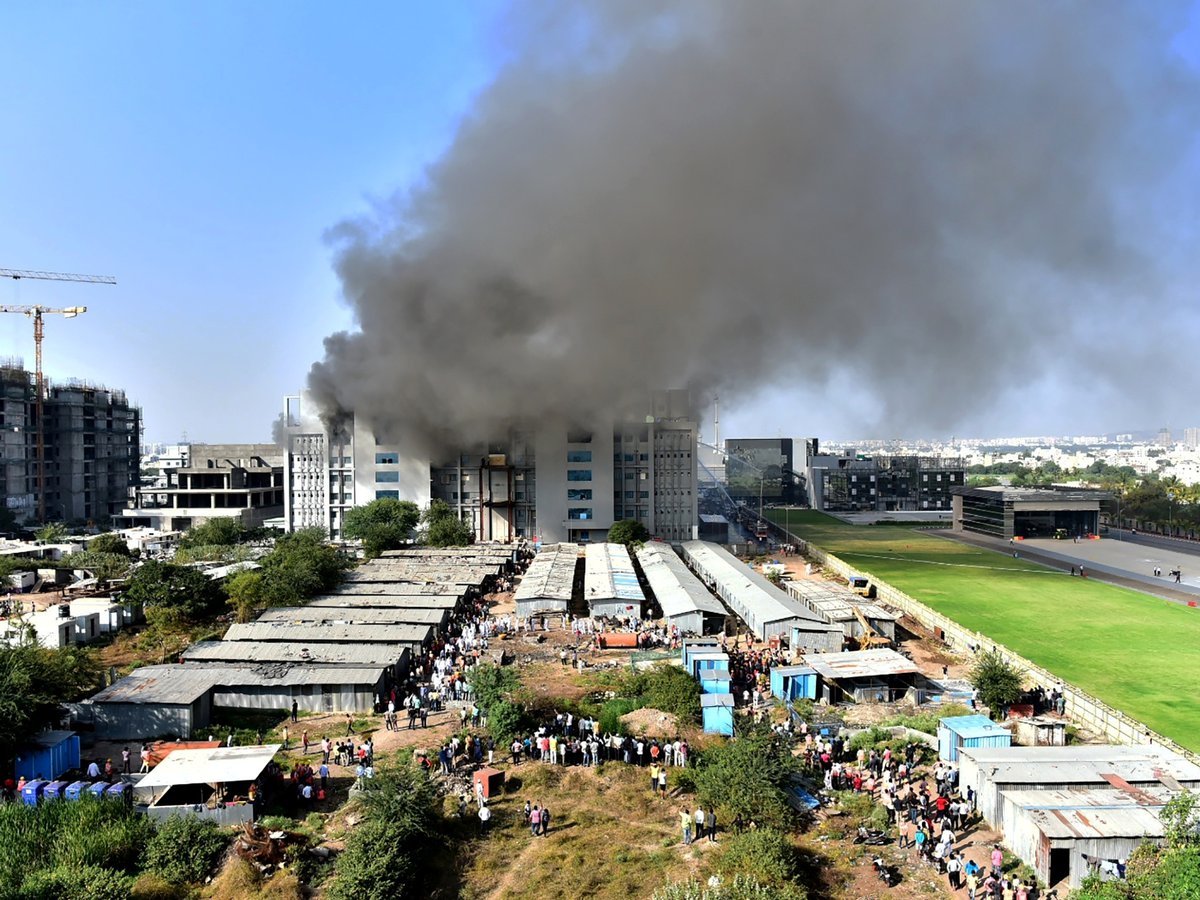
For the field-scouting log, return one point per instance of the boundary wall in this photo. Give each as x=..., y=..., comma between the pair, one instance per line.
x=1085, y=710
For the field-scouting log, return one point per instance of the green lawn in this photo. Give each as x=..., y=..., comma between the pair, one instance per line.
x=1139, y=654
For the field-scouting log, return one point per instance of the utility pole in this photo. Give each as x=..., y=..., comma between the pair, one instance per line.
x=36, y=312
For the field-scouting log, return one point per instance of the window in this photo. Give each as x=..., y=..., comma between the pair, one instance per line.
x=579, y=512
x=387, y=477
x=387, y=459
x=387, y=495
x=629, y=476
x=579, y=475
x=629, y=495
x=579, y=493
x=579, y=456
x=643, y=494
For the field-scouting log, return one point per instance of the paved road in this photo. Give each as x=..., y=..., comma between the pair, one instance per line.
x=1105, y=561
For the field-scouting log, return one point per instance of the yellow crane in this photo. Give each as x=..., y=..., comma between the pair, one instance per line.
x=35, y=312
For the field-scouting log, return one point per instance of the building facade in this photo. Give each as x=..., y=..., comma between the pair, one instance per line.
x=554, y=482
x=91, y=437
x=760, y=467
x=243, y=481
x=854, y=482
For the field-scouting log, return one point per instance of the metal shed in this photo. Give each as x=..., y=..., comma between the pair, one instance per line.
x=610, y=584
x=840, y=606
x=867, y=676
x=794, y=682
x=697, y=645
x=396, y=589
x=448, y=602
x=415, y=637
x=766, y=610
x=549, y=583
x=190, y=782
x=715, y=681
x=387, y=656
x=990, y=771
x=353, y=615
x=684, y=601
x=955, y=732
x=716, y=711
x=149, y=703
x=708, y=662
x=1057, y=831
x=47, y=755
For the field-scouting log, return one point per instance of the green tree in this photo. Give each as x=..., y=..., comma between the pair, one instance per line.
x=999, y=683
x=51, y=533
x=766, y=854
x=224, y=531
x=443, y=527
x=745, y=779
x=34, y=681
x=166, y=629
x=185, y=849
x=109, y=542
x=159, y=584
x=669, y=688
x=629, y=532
x=103, y=566
x=301, y=565
x=245, y=590
x=383, y=524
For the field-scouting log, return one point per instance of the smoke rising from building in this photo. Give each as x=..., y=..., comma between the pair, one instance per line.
x=949, y=198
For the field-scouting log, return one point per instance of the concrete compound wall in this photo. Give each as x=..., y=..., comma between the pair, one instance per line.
x=1082, y=708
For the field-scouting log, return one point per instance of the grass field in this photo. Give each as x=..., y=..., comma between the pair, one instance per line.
x=1139, y=654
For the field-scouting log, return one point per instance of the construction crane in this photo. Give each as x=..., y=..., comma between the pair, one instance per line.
x=36, y=312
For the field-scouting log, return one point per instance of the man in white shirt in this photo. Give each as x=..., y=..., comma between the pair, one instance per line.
x=485, y=816
x=93, y=769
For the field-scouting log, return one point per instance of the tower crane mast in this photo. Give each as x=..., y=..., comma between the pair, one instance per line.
x=36, y=312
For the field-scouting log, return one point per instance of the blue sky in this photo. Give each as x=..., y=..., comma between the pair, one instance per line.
x=199, y=152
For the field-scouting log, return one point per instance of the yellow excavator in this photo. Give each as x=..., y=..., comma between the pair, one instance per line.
x=870, y=637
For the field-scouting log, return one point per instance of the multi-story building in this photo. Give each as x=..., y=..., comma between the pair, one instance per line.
x=91, y=437
x=556, y=482
x=243, y=481
x=1191, y=437
x=855, y=482
x=760, y=468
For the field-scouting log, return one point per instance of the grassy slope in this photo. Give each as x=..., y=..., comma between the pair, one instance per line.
x=1135, y=652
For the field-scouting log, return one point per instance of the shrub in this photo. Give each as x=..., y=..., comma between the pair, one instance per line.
x=76, y=883
x=611, y=712
x=669, y=688
x=154, y=887
x=745, y=779
x=742, y=887
x=185, y=849
x=766, y=854
x=505, y=721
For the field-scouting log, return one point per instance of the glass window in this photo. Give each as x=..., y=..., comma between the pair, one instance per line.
x=387, y=459
x=579, y=456
x=643, y=494
x=579, y=493
x=387, y=495
x=579, y=512
x=579, y=475
x=629, y=495
x=387, y=477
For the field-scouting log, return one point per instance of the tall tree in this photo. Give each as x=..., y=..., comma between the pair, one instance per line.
x=629, y=532
x=443, y=527
x=383, y=524
x=193, y=593
x=999, y=682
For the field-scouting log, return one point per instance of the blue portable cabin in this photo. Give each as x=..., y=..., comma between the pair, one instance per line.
x=49, y=754
x=706, y=662
x=696, y=645
x=55, y=790
x=97, y=790
x=122, y=791
x=794, y=682
x=958, y=732
x=32, y=792
x=75, y=789
x=717, y=713
x=714, y=681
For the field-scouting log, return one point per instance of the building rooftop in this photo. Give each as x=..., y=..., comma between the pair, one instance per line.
x=834, y=602
x=876, y=663
x=315, y=653
x=1093, y=813
x=551, y=574
x=385, y=601
x=354, y=615
x=608, y=574
x=216, y=765
x=325, y=632
x=1029, y=495
x=1080, y=764
x=396, y=589
x=183, y=683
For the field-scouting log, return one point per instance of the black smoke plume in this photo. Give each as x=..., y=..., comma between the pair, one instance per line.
x=946, y=197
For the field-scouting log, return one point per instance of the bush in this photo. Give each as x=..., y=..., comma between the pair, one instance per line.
x=669, y=688
x=185, y=849
x=505, y=721
x=765, y=854
x=155, y=887
x=746, y=778
x=742, y=887
x=611, y=712
x=76, y=883
x=491, y=684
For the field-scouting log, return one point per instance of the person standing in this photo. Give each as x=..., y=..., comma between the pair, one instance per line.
x=662, y=782
x=295, y=711
x=710, y=824
x=125, y=760
x=699, y=829
x=485, y=816
x=685, y=821
x=545, y=820
x=535, y=821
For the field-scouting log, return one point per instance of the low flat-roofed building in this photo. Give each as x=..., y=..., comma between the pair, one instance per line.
x=842, y=607
x=415, y=637
x=447, y=602
x=322, y=615
x=549, y=583
x=610, y=584
x=316, y=653
x=1006, y=512
x=210, y=783
x=990, y=771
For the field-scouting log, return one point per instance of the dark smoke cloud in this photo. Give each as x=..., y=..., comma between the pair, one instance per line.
x=945, y=197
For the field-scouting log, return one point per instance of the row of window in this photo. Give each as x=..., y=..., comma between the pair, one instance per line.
x=578, y=456
x=579, y=474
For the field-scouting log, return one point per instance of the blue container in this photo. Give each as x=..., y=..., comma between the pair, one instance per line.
x=32, y=792
x=75, y=789
x=957, y=732
x=98, y=789
x=713, y=681
x=794, y=682
x=55, y=790
x=50, y=753
x=120, y=791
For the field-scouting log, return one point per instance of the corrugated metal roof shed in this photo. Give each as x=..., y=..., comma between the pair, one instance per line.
x=763, y=607
x=316, y=653
x=860, y=664
x=324, y=633
x=551, y=574
x=396, y=589
x=302, y=615
x=165, y=685
x=835, y=603
x=608, y=574
x=384, y=601
x=1093, y=813
x=184, y=683
x=677, y=590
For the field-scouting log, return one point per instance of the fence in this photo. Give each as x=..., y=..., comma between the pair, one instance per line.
x=1081, y=707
